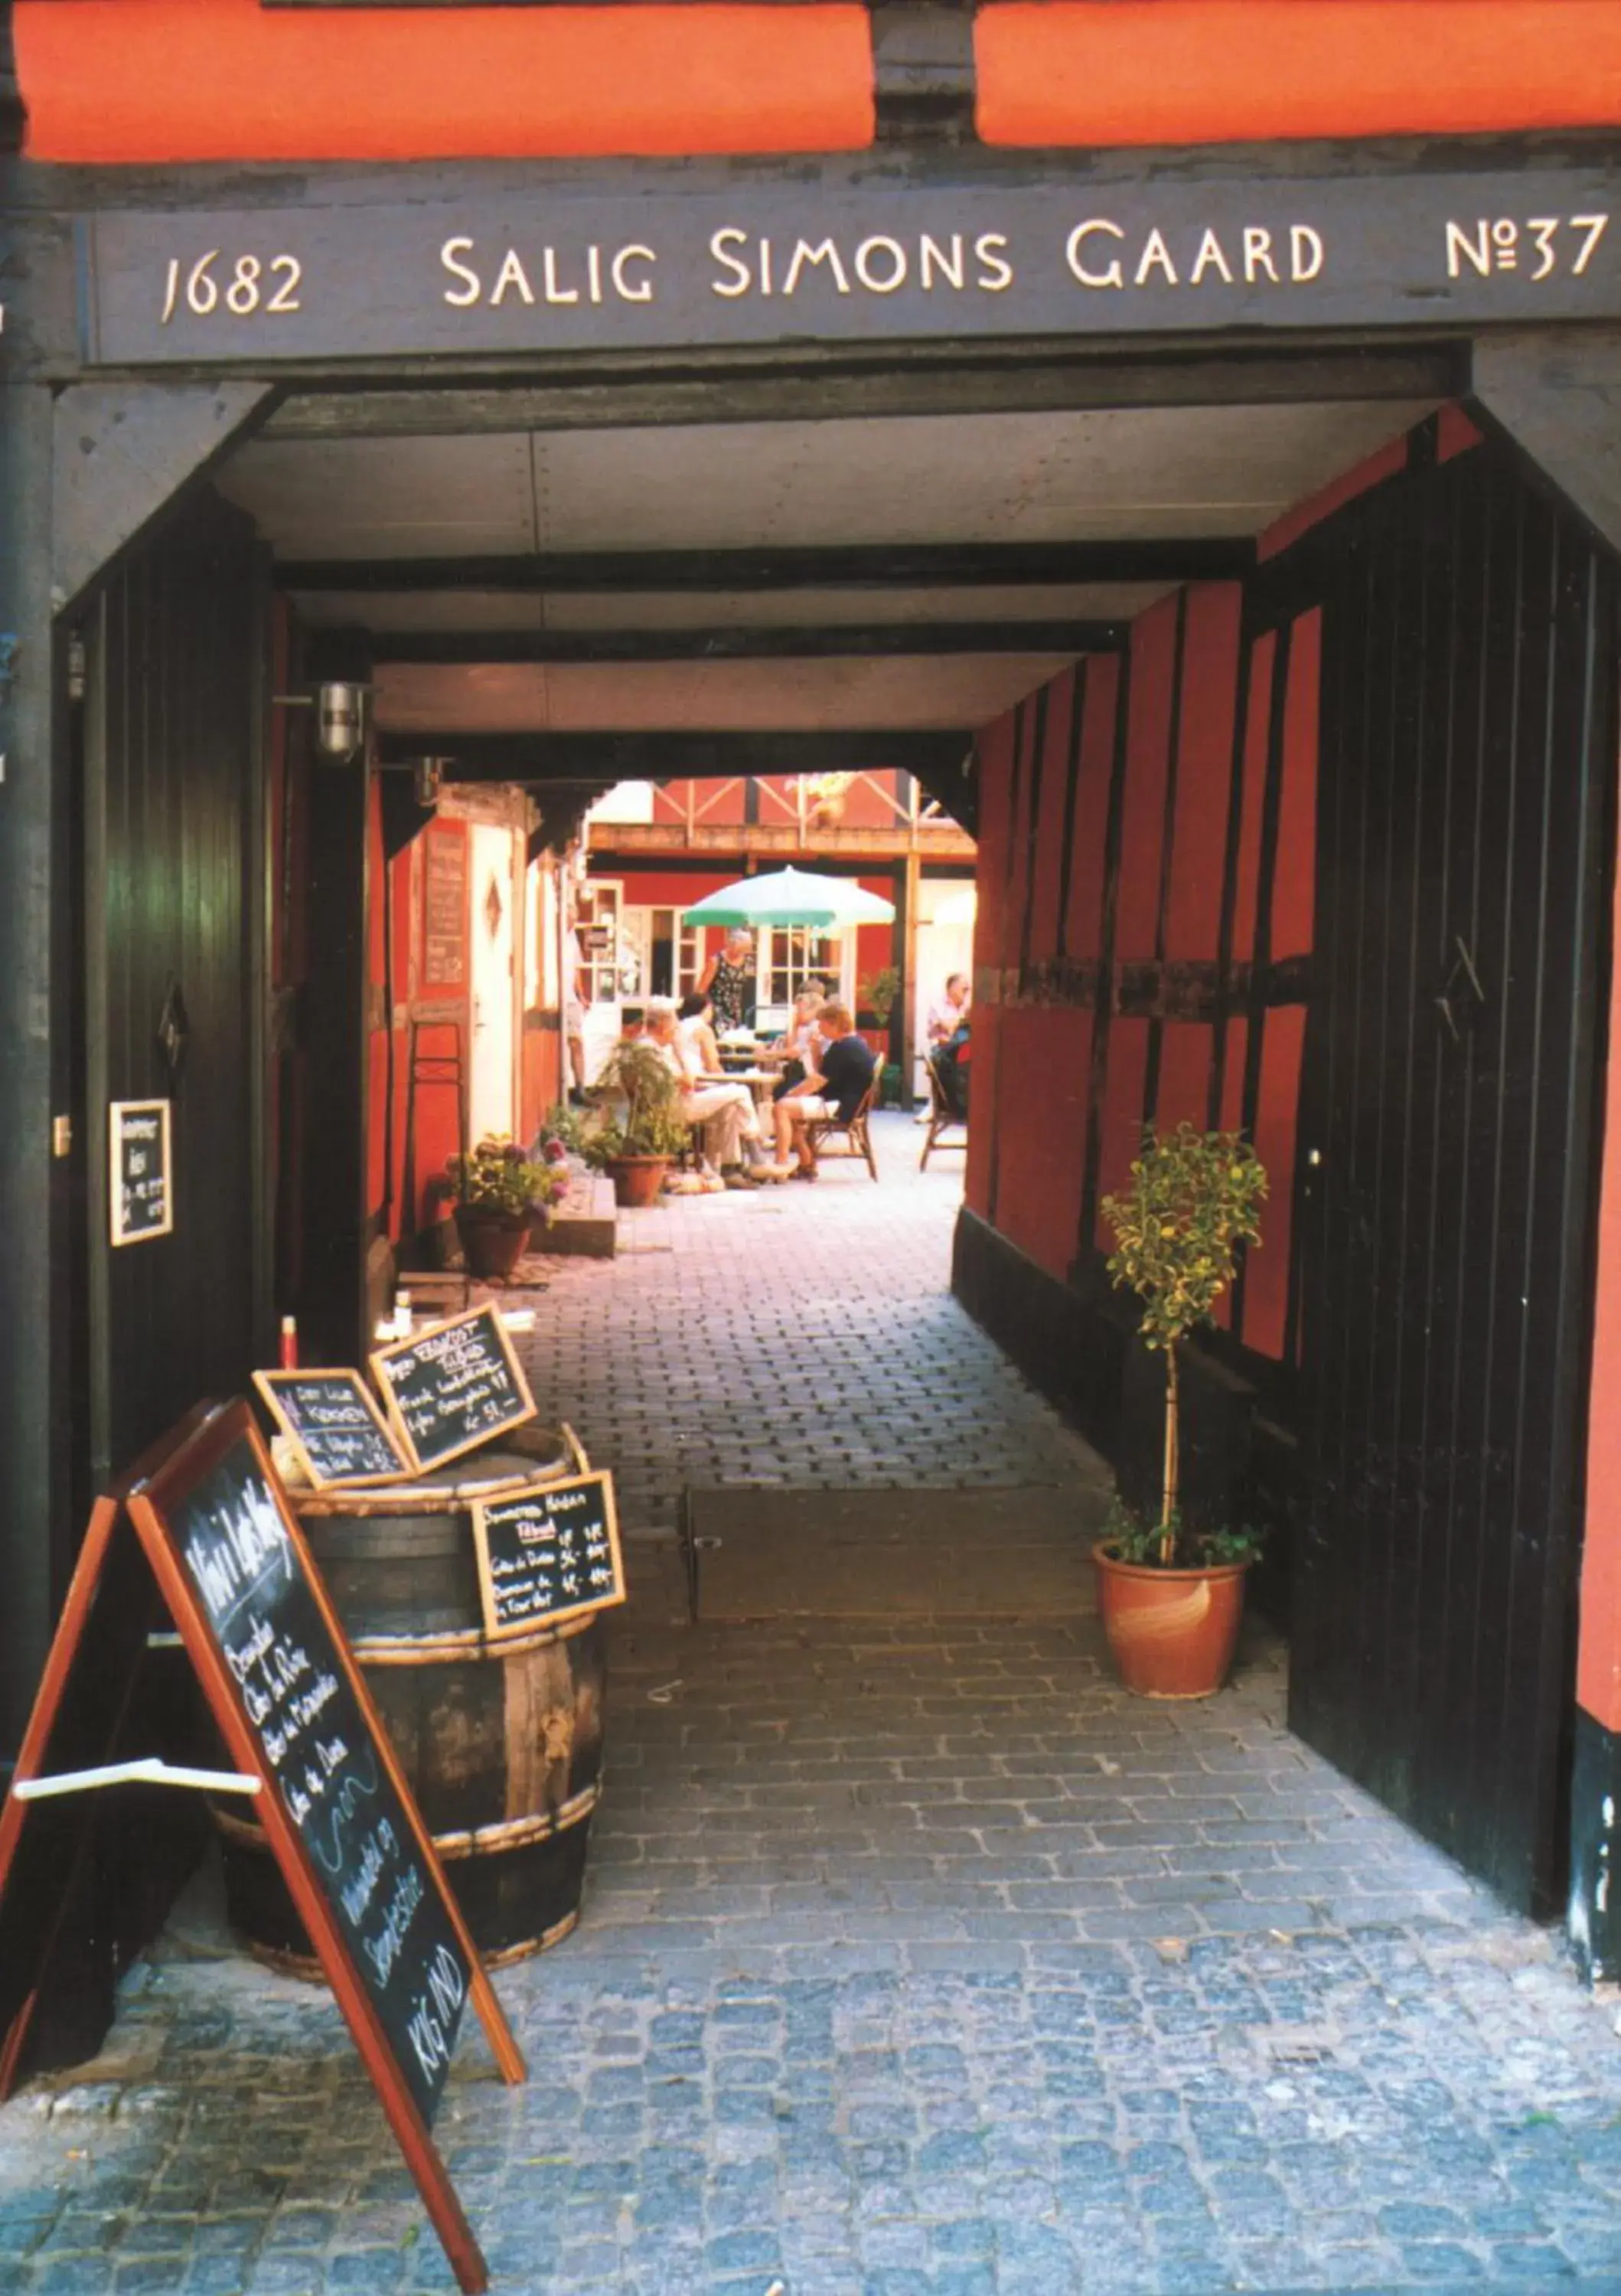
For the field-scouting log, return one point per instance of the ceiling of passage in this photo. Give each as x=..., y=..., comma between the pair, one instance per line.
x=991, y=548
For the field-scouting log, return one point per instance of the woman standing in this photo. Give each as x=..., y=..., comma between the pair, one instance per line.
x=728, y=982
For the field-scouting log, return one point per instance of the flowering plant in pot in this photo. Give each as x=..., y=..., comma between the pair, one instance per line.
x=499, y=1191
x=636, y=1149
x=1172, y=1597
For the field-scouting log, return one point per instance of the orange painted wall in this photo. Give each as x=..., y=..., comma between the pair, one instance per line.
x=138, y=81
x=1219, y=71
x=1598, y=1651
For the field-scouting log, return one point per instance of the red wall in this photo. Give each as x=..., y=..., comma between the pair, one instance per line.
x=1219, y=71
x=1118, y=991
x=141, y=81
x=1100, y=1003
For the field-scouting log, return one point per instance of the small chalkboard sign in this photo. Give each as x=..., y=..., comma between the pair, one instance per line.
x=452, y=1387
x=548, y=1554
x=341, y=1439
x=140, y=1196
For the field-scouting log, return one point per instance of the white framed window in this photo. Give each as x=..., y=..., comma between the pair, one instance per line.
x=597, y=925
x=794, y=955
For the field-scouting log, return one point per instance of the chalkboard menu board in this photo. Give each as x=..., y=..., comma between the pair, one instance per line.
x=140, y=1192
x=453, y=1386
x=340, y=1436
x=324, y=1758
x=548, y=1554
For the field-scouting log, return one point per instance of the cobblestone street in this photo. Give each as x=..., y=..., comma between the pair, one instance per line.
x=916, y=1958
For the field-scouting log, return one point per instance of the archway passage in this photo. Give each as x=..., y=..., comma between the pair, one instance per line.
x=1121, y=641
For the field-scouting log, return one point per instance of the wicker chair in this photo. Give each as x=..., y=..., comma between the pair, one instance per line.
x=854, y=1131
x=943, y=1118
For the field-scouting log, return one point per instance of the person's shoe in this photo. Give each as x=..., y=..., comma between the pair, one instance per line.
x=774, y=1173
x=737, y=1180
x=803, y=1172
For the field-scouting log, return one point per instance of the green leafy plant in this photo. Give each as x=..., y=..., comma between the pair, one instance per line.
x=571, y=1127
x=878, y=995
x=1136, y=1540
x=651, y=1125
x=1195, y=1198
x=498, y=1176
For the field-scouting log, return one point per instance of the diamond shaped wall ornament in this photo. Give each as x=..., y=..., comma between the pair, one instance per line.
x=174, y=1030
x=492, y=906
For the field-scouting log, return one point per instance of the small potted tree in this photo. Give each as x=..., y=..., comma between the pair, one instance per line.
x=498, y=1193
x=880, y=994
x=1172, y=1598
x=636, y=1149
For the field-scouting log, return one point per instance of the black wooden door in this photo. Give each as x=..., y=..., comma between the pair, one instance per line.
x=174, y=862
x=169, y=875
x=1450, y=1128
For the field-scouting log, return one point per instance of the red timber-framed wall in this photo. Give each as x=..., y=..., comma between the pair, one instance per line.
x=1325, y=855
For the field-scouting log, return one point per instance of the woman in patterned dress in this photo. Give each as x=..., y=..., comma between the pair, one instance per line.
x=728, y=983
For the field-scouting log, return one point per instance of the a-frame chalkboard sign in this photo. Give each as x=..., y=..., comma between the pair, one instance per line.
x=230, y=1565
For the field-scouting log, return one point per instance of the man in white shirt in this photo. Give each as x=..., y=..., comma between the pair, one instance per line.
x=726, y=1111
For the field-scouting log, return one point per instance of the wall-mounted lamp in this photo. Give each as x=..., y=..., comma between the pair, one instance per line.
x=340, y=717
x=341, y=720
x=427, y=774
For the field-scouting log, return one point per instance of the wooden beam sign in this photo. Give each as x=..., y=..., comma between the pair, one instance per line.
x=230, y=1563
x=486, y=268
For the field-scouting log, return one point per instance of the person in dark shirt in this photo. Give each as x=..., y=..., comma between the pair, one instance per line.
x=835, y=1090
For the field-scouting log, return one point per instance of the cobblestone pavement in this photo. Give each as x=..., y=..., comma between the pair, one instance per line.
x=791, y=1335
x=917, y=1960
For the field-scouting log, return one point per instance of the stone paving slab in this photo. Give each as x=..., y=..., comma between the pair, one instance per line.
x=917, y=1958
x=928, y=1552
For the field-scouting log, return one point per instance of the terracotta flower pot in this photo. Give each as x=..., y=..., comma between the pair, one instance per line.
x=1172, y=1633
x=491, y=1242
x=637, y=1179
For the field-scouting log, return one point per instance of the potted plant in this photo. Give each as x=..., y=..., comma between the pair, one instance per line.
x=1171, y=1597
x=498, y=1193
x=826, y=793
x=636, y=1149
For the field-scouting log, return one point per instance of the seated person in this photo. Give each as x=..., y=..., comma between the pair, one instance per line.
x=796, y=1047
x=845, y=1065
x=951, y=1062
x=723, y=1112
x=949, y=1012
x=695, y=1030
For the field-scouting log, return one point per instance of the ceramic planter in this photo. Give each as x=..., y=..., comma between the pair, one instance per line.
x=637, y=1179
x=1172, y=1633
x=491, y=1242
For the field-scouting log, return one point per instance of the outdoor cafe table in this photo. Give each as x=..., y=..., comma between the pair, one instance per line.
x=761, y=1082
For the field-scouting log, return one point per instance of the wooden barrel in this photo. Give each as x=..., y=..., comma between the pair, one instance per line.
x=500, y=1742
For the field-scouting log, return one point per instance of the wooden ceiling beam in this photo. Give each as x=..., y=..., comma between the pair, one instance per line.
x=844, y=383
x=750, y=641
x=864, y=566
x=540, y=759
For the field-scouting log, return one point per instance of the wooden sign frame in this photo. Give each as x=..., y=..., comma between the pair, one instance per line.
x=267, y=1385
x=495, y=1630
x=382, y=1356
x=117, y=1111
x=61, y=1735
x=156, y=1491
